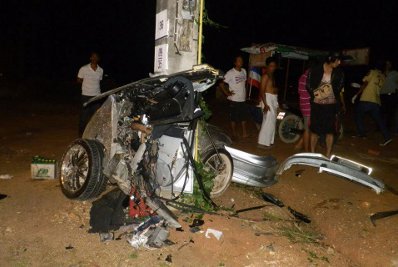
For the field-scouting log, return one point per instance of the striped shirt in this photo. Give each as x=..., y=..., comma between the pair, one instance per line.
x=304, y=96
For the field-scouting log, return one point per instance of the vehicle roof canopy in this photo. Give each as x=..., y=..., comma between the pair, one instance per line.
x=286, y=51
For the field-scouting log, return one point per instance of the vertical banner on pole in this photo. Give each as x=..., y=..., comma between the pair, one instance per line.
x=176, y=36
x=161, y=58
x=162, y=25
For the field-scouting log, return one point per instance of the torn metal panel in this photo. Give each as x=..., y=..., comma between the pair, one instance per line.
x=342, y=167
x=253, y=170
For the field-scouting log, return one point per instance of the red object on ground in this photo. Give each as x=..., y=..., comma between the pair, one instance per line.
x=374, y=152
x=138, y=208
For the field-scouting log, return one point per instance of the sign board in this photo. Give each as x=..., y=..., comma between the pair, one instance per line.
x=360, y=56
x=161, y=58
x=162, y=25
x=188, y=9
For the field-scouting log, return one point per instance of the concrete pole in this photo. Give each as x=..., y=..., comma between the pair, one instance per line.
x=176, y=38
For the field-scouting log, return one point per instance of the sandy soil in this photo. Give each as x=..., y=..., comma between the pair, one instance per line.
x=37, y=223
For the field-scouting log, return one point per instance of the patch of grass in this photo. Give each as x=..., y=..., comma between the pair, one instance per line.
x=205, y=108
x=197, y=197
x=21, y=263
x=199, y=216
x=133, y=255
x=221, y=264
x=312, y=256
x=298, y=235
x=272, y=217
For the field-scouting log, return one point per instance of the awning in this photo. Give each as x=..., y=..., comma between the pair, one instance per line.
x=286, y=51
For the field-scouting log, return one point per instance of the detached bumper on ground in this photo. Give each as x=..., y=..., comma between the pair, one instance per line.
x=338, y=166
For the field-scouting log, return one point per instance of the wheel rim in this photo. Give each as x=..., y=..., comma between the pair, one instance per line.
x=287, y=125
x=74, y=168
x=221, y=166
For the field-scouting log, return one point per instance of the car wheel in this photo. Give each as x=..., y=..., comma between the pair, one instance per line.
x=80, y=170
x=289, y=128
x=220, y=162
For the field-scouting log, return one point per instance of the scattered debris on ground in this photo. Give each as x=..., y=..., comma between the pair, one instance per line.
x=169, y=258
x=298, y=173
x=217, y=234
x=381, y=215
x=69, y=247
x=6, y=177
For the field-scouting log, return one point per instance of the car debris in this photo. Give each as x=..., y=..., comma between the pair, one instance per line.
x=108, y=212
x=6, y=177
x=299, y=215
x=336, y=165
x=217, y=234
x=298, y=173
x=195, y=229
x=146, y=140
x=272, y=199
x=277, y=202
x=150, y=233
x=253, y=170
x=251, y=208
x=169, y=258
x=197, y=222
x=138, y=241
x=381, y=215
x=104, y=237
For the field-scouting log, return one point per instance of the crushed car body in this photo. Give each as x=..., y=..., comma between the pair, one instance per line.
x=146, y=139
x=338, y=166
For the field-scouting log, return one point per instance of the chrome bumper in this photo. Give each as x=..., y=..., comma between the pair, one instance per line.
x=338, y=166
x=253, y=170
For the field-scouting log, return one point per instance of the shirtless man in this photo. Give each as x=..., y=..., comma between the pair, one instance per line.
x=269, y=101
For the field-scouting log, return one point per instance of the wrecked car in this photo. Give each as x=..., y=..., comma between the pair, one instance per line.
x=146, y=139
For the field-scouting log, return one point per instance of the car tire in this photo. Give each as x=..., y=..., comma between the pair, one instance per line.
x=80, y=170
x=222, y=180
x=289, y=122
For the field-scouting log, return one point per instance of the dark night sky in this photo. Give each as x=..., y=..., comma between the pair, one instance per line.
x=52, y=39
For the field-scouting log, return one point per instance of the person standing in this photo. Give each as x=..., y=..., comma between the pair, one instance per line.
x=89, y=76
x=269, y=101
x=388, y=95
x=369, y=102
x=236, y=94
x=305, y=108
x=324, y=84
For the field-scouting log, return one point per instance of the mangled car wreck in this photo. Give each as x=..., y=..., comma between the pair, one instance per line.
x=147, y=139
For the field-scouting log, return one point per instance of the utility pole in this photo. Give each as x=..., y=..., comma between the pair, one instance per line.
x=177, y=35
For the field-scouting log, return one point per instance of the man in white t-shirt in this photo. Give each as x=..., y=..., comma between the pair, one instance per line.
x=236, y=94
x=89, y=76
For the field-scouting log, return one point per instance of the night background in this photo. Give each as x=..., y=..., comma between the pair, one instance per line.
x=44, y=43
x=50, y=40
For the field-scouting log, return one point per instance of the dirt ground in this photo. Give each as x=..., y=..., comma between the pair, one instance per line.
x=40, y=227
